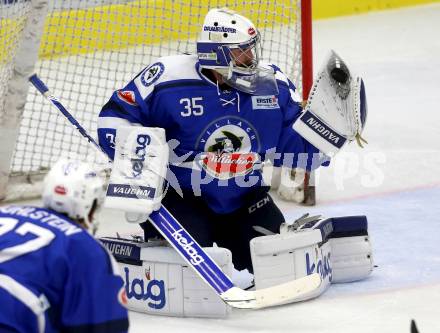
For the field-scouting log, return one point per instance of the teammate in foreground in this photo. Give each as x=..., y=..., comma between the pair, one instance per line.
x=54, y=276
x=223, y=111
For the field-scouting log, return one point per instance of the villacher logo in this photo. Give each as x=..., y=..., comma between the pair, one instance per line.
x=231, y=145
x=227, y=165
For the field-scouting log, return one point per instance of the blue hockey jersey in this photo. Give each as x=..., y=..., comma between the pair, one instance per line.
x=200, y=118
x=55, y=277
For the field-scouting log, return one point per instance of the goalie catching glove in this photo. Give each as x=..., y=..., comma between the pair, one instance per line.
x=336, y=110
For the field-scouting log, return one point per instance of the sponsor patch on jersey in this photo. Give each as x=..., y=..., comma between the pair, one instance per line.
x=230, y=143
x=152, y=74
x=229, y=165
x=127, y=96
x=265, y=102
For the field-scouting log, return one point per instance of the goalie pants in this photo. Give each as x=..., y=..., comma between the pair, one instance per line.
x=232, y=231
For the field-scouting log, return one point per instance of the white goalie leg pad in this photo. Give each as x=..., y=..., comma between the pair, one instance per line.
x=352, y=258
x=351, y=250
x=158, y=281
x=139, y=170
x=336, y=110
x=279, y=258
x=338, y=248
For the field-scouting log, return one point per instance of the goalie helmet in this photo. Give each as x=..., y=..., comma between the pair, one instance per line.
x=230, y=44
x=74, y=188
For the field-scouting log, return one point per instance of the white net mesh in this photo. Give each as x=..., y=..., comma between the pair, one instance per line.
x=90, y=48
x=12, y=19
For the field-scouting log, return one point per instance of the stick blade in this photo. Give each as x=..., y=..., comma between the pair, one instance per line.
x=285, y=293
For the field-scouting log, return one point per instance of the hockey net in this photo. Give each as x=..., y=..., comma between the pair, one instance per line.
x=89, y=48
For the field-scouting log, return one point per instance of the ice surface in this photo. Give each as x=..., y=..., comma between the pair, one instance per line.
x=395, y=181
x=398, y=56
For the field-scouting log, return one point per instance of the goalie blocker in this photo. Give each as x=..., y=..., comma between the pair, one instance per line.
x=139, y=170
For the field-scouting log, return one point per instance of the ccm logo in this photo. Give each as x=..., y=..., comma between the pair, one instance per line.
x=259, y=204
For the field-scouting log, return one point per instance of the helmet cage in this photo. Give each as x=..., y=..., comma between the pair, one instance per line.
x=244, y=57
x=230, y=55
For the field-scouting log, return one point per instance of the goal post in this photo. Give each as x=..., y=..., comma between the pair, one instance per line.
x=85, y=49
x=306, y=84
x=21, y=29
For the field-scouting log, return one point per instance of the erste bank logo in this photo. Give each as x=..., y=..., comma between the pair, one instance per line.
x=265, y=102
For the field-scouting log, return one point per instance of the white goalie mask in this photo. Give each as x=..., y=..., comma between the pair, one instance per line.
x=73, y=188
x=230, y=44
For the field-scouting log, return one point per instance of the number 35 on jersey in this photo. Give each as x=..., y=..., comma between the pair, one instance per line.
x=192, y=106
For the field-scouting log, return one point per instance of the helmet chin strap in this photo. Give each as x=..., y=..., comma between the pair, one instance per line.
x=94, y=227
x=91, y=225
x=90, y=221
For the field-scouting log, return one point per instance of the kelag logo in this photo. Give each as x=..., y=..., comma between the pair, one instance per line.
x=323, y=266
x=153, y=290
x=196, y=258
x=137, y=164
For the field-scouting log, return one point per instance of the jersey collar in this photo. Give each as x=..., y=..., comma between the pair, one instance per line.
x=203, y=77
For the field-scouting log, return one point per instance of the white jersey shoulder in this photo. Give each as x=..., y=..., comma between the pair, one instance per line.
x=166, y=69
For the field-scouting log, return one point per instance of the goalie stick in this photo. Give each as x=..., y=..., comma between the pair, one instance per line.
x=195, y=256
